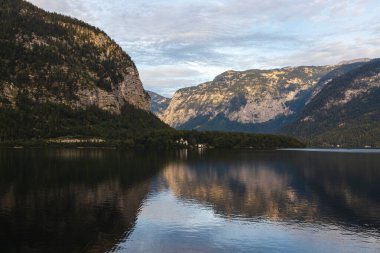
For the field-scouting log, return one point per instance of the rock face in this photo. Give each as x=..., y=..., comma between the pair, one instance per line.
x=253, y=100
x=158, y=103
x=263, y=101
x=52, y=58
x=346, y=112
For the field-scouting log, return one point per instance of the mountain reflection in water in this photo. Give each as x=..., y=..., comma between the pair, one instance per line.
x=213, y=201
x=284, y=185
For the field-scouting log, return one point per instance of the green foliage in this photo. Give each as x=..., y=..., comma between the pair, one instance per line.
x=133, y=128
x=169, y=138
x=40, y=121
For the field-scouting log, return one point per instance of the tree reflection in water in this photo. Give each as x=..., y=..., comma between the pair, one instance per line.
x=70, y=200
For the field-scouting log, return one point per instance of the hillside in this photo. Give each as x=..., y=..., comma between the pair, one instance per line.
x=158, y=103
x=261, y=101
x=249, y=101
x=60, y=76
x=324, y=106
x=346, y=112
x=53, y=58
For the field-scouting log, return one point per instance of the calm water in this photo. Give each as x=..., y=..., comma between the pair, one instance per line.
x=215, y=201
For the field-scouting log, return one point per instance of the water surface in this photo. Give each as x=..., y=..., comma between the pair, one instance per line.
x=73, y=200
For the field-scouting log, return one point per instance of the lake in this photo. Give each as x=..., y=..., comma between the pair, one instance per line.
x=99, y=200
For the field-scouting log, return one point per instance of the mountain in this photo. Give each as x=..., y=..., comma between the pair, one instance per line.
x=345, y=112
x=52, y=58
x=60, y=76
x=158, y=103
x=250, y=101
x=321, y=105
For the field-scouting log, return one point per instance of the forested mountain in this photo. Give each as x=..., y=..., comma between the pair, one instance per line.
x=61, y=76
x=346, y=112
x=53, y=58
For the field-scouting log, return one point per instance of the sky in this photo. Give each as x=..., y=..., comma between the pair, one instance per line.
x=181, y=43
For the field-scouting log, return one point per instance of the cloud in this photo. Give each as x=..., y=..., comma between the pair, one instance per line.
x=167, y=39
x=169, y=78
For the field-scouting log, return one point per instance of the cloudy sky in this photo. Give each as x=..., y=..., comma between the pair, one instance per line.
x=179, y=43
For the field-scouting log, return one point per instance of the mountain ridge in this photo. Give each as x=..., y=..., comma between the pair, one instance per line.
x=345, y=112
x=267, y=101
x=61, y=77
x=237, y=94
x=54, y=58
x=158, y=103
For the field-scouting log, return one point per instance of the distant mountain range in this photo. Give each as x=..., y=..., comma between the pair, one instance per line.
x=323, y=105
x=158, y=103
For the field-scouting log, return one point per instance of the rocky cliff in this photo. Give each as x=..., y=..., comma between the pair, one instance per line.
x=52, y=58
x=253, y=100
x=263, y=101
